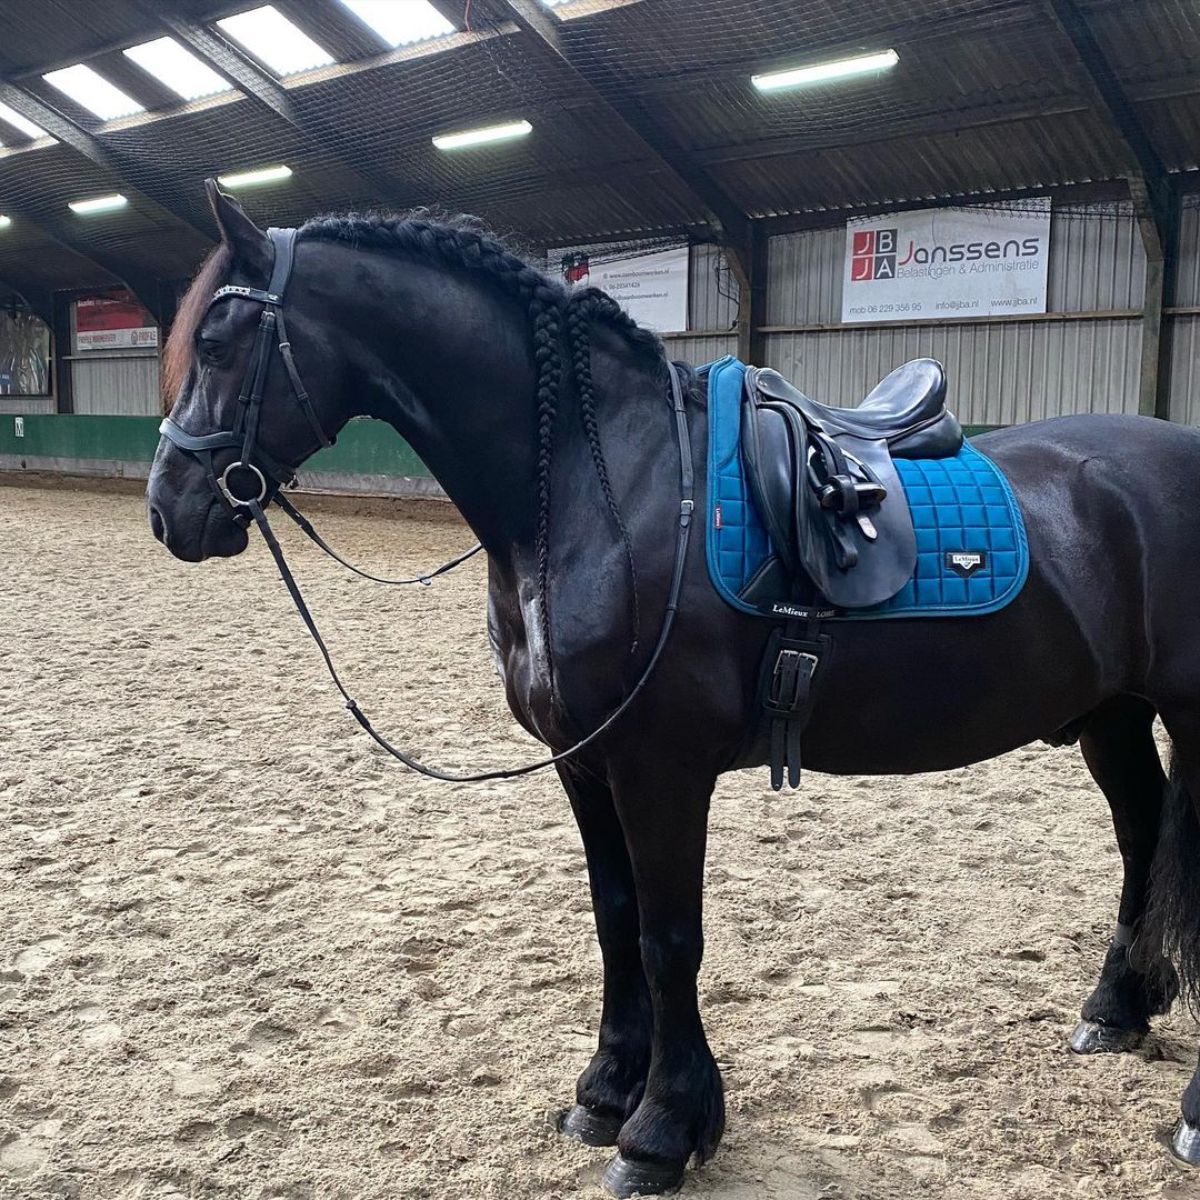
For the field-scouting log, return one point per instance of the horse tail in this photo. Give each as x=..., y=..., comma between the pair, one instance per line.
x=1170, y=931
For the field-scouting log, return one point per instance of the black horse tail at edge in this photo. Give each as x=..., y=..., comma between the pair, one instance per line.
x=1170, y=931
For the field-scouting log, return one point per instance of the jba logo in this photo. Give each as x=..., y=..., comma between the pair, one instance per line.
x=873, y=254
x=965, y=562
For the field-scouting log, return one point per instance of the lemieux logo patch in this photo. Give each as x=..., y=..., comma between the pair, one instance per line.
x=966, y=562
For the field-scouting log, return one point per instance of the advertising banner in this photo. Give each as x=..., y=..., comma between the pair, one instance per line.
x=113, y=321
x=948, y=262
x=652, y=288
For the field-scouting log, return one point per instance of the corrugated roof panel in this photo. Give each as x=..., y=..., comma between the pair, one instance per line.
x=987, y=95
x=1027, y=154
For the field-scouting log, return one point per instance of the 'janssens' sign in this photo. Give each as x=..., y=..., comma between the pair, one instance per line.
x=948, y=262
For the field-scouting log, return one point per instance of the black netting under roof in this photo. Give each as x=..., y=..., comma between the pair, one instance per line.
x=645, y=120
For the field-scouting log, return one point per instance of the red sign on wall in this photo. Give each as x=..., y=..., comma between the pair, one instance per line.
x=113, y=320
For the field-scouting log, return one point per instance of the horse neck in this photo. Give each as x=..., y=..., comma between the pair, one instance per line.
x=450, y=365
x=445, y=360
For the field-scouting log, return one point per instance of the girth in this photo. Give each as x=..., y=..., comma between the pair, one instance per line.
x=264, y=473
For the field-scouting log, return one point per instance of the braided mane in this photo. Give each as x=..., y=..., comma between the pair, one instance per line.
x=462, y=242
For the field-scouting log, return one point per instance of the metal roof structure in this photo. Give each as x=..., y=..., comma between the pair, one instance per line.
x=645, y=120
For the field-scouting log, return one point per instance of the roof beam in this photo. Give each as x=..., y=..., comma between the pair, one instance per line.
x=216, y=52
x=11, y=136
x=143, y=286
x=267, y=92
x=119, y=69
x=134, y=174
x=1149, y=183
x=734, y=225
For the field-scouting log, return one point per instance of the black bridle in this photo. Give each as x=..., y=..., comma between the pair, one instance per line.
x=267, y=476
x=265, y=473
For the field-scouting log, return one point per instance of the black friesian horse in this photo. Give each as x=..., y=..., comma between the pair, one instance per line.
x=508, y=385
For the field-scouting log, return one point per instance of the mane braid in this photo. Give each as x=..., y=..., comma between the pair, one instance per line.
x=461, y=242
x=581, y=308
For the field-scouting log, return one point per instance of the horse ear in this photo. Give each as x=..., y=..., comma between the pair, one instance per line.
x=251, y=247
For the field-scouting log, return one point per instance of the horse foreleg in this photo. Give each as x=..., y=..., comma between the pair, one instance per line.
x=1118, y=745
x=611, y=1086
x=664, y=812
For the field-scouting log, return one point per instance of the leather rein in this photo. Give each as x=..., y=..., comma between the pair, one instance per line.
x=266, y=476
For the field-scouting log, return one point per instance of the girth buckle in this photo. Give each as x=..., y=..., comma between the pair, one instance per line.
x=791, y=681
x=788, y=678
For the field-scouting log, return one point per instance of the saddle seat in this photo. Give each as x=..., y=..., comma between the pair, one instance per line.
x=826, y=487
x=908, y=409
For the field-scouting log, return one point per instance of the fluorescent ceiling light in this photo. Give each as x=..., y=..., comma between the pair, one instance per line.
x=178, y=68
x=14, y=118
x=477, y=137
x=400, y=24
x=843, y=68
x=93, y=91
x=98, y=204
x=250, y=178
x=269, y=35
x=5, y=222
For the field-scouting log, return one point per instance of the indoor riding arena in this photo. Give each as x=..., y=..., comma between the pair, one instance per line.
x=774, y=423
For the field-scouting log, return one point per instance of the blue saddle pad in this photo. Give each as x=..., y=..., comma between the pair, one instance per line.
x=972, y=554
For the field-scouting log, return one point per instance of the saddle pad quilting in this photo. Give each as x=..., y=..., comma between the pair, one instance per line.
x=960, y=505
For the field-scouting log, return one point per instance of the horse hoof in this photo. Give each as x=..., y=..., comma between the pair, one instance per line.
x=1090, y=1037
x=625, y=1177
x=1185, y=1143
x=590, y=1127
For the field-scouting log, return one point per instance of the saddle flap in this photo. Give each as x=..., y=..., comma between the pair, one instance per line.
x=849, y=566
x=884, y=562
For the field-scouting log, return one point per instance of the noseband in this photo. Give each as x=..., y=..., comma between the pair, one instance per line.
x=267, y=476
x=263, y=473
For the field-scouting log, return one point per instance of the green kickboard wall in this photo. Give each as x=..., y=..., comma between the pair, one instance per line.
x=363, y=447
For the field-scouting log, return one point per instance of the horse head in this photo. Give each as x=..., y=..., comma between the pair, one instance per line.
x=247, y=409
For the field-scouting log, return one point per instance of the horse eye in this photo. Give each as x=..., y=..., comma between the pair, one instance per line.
x=210, y=351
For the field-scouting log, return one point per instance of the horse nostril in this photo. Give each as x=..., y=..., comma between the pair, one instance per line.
x=156, y=525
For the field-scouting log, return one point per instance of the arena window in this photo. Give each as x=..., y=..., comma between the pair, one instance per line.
x=14, y=118
x=91, y=90
x=401, y=24
x=177, y=68
x=271, y=37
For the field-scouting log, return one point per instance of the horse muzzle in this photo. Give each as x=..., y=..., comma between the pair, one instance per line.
x=196, y=527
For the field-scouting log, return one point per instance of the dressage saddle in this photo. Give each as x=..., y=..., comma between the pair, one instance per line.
x=827, y=489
